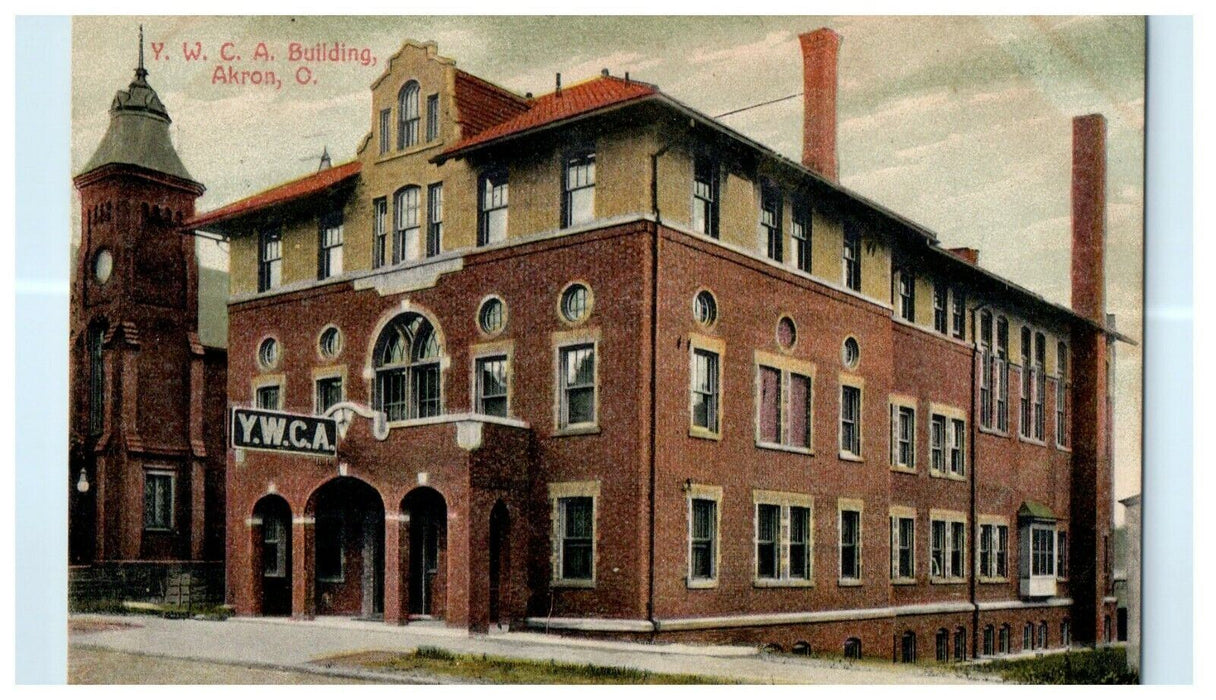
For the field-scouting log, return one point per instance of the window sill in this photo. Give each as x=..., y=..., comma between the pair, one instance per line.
x=902, y=469
x=576, y=430
x=903, y=582
x=850, y=457
x=949, y=476
x=783, y=583
x=340, y=579
x=848, y=582
x=995, y=432
x=994, y=579
x=942, y=581
x=1063, y=448
x=778, y=447
x=1032, y=441
x=572, y=583
x=704, y=434
x=701, y=583
x=160, y=530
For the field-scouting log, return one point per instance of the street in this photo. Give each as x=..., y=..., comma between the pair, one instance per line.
x=123, y=649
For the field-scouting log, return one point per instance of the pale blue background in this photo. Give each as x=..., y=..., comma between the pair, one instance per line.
x=42, y=258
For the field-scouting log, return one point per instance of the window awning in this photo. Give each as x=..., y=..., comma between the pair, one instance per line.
x=1033, y=510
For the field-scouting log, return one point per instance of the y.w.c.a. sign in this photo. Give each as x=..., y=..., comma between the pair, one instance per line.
x=256, y=429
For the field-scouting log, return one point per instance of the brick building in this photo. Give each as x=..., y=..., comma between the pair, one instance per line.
x=602, y=365
x=147, y=456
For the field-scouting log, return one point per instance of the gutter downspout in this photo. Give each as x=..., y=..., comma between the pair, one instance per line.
x=654, y=353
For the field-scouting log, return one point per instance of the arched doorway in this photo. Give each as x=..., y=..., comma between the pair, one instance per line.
x=428, y=516
x=348, y=547
x=500, y=537
x=272, y=562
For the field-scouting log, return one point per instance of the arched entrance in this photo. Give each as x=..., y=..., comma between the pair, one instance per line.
x=272, y=562
x=500, y=537
x=428, y=516
x=348, y=547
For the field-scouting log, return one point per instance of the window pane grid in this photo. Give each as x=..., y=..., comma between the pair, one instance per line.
x=703, y=539
x=579, y=185
x=492, y=386
x=495, y=197
x=578, y=385
x=705, y=390
x=379, y=232
x=406, y=212
x=434, y=229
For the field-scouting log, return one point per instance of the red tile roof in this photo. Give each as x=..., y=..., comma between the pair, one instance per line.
x=481, y=104
x=573, y=101
x=282, y=194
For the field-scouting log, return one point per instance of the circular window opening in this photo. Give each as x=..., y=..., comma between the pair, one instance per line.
x=576, y=303
x=330, y=342
x=850, y=353
x=268, y=353
x=705, y=308
x=103, y=266
x=493, y=316
x=787, y=334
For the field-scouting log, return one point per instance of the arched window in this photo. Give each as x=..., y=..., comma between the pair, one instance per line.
x=852, y=648
x=97, y=378
x=987, y=366
x=1043, y=634
x=960, y=644
x=989, y=640
x=407, y=369
x=407, y=115
x=1003, y=641
x=943, y=645
x=1028, y=636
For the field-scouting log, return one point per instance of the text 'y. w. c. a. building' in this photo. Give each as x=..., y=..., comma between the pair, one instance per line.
x=603, y=365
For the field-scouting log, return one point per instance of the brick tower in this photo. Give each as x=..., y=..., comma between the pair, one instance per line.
x=147, y=402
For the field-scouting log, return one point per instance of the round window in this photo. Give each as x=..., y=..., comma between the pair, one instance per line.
x=103, y=266
x=576, y=303
x=330, y=342
x=268, y=353
x=493, y=316
x=705, y=308
x=850, y=353
x=787, y=333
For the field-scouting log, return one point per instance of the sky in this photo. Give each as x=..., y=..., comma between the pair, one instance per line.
x=962, y=124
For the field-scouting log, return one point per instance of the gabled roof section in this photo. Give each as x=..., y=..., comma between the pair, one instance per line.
x=282, y=194
x=1033, y=510
x=481, y=104
x=575, y=101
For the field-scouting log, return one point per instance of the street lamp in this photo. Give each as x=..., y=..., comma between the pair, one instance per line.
x=82, y=483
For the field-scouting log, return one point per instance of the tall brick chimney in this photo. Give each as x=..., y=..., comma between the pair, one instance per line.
x=819, y=51
x=1090, y=499
x=1089, y=216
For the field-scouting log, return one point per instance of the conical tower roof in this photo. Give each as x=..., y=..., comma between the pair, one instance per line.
x=139, y=130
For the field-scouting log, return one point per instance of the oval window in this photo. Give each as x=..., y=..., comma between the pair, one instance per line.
x=576, y=303
x=705, y=308
x=103, y=266
x=493, y=316
x=330, y=342
x=850, y=354
x=787, y=333
x=268, y=353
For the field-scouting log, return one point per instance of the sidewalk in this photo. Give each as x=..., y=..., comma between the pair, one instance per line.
x=292, y=645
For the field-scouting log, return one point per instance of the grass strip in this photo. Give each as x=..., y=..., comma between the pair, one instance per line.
x=483, y=668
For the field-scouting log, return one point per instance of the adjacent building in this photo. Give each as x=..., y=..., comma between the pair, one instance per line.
x=148, y=398
x=602, y=365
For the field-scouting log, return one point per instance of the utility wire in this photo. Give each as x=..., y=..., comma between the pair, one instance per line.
x=758, y=104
